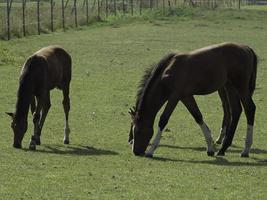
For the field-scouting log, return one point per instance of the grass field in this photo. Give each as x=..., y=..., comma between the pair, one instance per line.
x=108, y=61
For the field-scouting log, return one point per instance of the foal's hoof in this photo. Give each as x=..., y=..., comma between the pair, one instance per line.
x=66, y=142
x=218, y=142
x=149, y=155
x=220, y=153
x=210, y=153
x=38, y=141
x=32, y=146
x=244, y=155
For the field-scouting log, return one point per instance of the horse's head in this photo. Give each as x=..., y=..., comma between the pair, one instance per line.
x=19, y=128
x=140, y=134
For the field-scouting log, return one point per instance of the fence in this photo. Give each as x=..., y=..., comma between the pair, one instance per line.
x=19, y=18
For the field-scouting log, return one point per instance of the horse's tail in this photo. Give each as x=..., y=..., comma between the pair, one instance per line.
x=252, y=82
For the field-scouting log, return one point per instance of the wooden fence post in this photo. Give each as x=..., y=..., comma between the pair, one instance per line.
x=8, y=19
x=106, y=8
x=23, y=17
x=115, y=7
x=63, y=14
x=123, y=7
x=141, y=7
x=75, y=13
x=87, y=13
x=38, y=17
x=52, y=15
x=132, y=7
x=98, y=9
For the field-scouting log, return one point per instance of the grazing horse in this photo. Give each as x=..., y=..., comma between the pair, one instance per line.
x=48, y=68
x=227, y=68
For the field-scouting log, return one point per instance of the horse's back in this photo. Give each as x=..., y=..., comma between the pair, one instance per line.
x=204, y=70
x=58, y=65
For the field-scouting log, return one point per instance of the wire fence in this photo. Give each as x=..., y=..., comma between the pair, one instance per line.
x=19, y=18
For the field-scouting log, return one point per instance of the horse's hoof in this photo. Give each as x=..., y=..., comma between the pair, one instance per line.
x=210, y=153
x=66, y=142
x=17, y=146
x=244, y=155
x=149, y=155
x=220, y=153
x=32, y=147
x=218, y=142
x=38, y=142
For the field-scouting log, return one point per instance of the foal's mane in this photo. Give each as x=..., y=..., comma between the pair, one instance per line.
x=150, y=75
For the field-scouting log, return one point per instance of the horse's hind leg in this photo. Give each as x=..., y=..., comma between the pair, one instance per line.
x=66, y=106
x=164, y=118
x=236, y=110
x=43, y=105
x=250, y=109
x=45, y=109
x=33, y=105
x=192, y=107
x=226, y=115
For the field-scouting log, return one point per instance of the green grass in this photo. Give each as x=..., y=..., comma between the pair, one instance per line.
x=108, y=61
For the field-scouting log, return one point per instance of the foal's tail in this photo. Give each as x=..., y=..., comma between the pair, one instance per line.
x=252, y=82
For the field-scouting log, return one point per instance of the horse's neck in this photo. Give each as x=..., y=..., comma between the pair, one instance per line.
x=24, y=96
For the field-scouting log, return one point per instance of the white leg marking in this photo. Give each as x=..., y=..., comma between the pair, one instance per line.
x=208, y=137
x=66, y=132
x=221, y=136
x=133, y=137
x=248, y=141
x=155, y=143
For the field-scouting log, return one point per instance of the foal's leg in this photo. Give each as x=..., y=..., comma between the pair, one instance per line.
x=226, y=115
x=45, y=109
x=192, y=107
x=66, y=106
x=36, y=119
x=250, y=110
x=236, y=110
x=164, y=118
x=33, y=106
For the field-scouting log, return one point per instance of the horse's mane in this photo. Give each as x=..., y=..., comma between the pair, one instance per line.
x=150, y=74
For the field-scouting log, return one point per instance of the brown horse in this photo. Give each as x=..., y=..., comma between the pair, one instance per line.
x=227, y=68
x=48, y=68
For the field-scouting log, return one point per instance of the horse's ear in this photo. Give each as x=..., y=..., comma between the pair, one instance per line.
x=10, y=114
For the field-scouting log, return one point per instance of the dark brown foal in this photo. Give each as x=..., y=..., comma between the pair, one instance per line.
x=227, y=68
x=48, y=68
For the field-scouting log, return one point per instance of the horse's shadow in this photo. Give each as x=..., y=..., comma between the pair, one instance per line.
x=232, y=149
x=72, y=150
x=218, y=160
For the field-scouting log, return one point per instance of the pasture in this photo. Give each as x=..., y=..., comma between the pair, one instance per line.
x=108, y=62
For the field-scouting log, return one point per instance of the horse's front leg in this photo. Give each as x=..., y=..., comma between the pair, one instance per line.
x=192, y=107
x=66, y=106
x=164, y=118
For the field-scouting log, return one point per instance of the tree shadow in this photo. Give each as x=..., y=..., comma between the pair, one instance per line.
x=218, y=161
x=73, y=150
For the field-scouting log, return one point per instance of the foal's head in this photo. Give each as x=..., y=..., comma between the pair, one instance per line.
x=140, y=134
x=19, y=128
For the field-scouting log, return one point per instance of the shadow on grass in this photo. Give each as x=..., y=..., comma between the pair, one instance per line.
x=218, y=161
x=73, y=150
x=232, y=149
